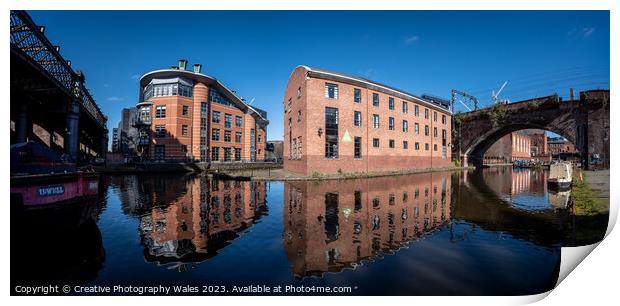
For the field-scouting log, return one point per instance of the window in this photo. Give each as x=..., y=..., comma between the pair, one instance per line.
x=417, y=146
x=185, y=110
x=357, y=147
x=391, y=103
x=169, y=89
x=215, y=134
x=299, y=147
x=259, y=138
x=298, y=92
x=160, y=111
x=375, y=121
x=416, y=128
x=357, y=95
x=416, y=110
x=405, y=126
x=435, y=116
x=160, y=152
x=391, y=143
x=358, y=200
x=217, y=97
x=405, y=107
x=357, y=119
x=331, y=91
x=227, y=136
x=238, y=121
x=227, y=154
x=298, y=116
x=435, y=132
x=184, y=129
x=331, y=132
x=237, y=154
x=444, y=134
x=443, y=119
x=435, y=147
x=215, y=117
x=238, y=136
x=375, y=99
x=426, y=113
x=215, y=154
x=426, y=146
x=375, y=142
x=405, y=144
x=391, y=123
x=227, y=121
x=426, y=130
x=160, y=131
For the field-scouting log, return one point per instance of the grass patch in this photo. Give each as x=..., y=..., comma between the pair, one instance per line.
x=586, y=201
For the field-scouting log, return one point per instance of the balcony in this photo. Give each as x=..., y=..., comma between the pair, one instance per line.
x=144, y=141
x=142, y=120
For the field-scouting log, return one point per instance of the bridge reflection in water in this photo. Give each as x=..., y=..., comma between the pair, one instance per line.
x=336, y=224
x=496, y=231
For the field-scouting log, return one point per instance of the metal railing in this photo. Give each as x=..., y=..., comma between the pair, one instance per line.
x=28, y=40
x=140, y=120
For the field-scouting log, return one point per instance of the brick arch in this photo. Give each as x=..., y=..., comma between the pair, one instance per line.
x=475, y=152
x=584, y=122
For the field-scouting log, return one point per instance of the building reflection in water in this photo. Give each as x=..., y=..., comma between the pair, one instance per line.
x=331, y=225
x=511, y=183
x=188, y=219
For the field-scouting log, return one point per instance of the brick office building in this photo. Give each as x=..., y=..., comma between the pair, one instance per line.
x=539, y=145
x=339, y=123
x=560, y=146
x=187, y=115
x=509, y=148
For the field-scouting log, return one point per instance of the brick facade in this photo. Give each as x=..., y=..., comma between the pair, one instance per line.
x=195, y=123
x=305, y=106
x=511, y=147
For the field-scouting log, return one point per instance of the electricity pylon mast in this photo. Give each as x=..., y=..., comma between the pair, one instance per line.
x=465, y=95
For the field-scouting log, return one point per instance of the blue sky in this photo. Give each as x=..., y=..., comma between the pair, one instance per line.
x=254, y=52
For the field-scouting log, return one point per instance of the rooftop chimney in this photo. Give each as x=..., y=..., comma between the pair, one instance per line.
x=197, y=68
x=182, y=64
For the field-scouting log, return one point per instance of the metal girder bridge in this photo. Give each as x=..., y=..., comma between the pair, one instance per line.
x=29, y=42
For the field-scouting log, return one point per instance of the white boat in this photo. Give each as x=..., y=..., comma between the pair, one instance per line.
x=560, y=175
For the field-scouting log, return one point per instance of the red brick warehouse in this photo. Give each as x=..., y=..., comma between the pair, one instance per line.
x=187, y=115
x=340, y=123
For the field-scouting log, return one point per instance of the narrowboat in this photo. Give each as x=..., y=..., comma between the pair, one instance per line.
x=40, y=177
x=560, y=175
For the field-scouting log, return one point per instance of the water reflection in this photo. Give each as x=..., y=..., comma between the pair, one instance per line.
x=59, y=245
x=525, y=188
x=189, y=219
x=336, y=224
x=497, y=231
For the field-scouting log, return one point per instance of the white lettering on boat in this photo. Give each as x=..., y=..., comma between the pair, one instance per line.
x=51, y=190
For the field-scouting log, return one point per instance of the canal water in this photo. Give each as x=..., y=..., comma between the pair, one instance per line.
x=492, y=232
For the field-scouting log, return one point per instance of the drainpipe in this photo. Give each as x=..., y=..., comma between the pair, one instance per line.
x=367, y=131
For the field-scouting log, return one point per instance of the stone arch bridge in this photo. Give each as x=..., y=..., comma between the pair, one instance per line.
x=584, y=122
